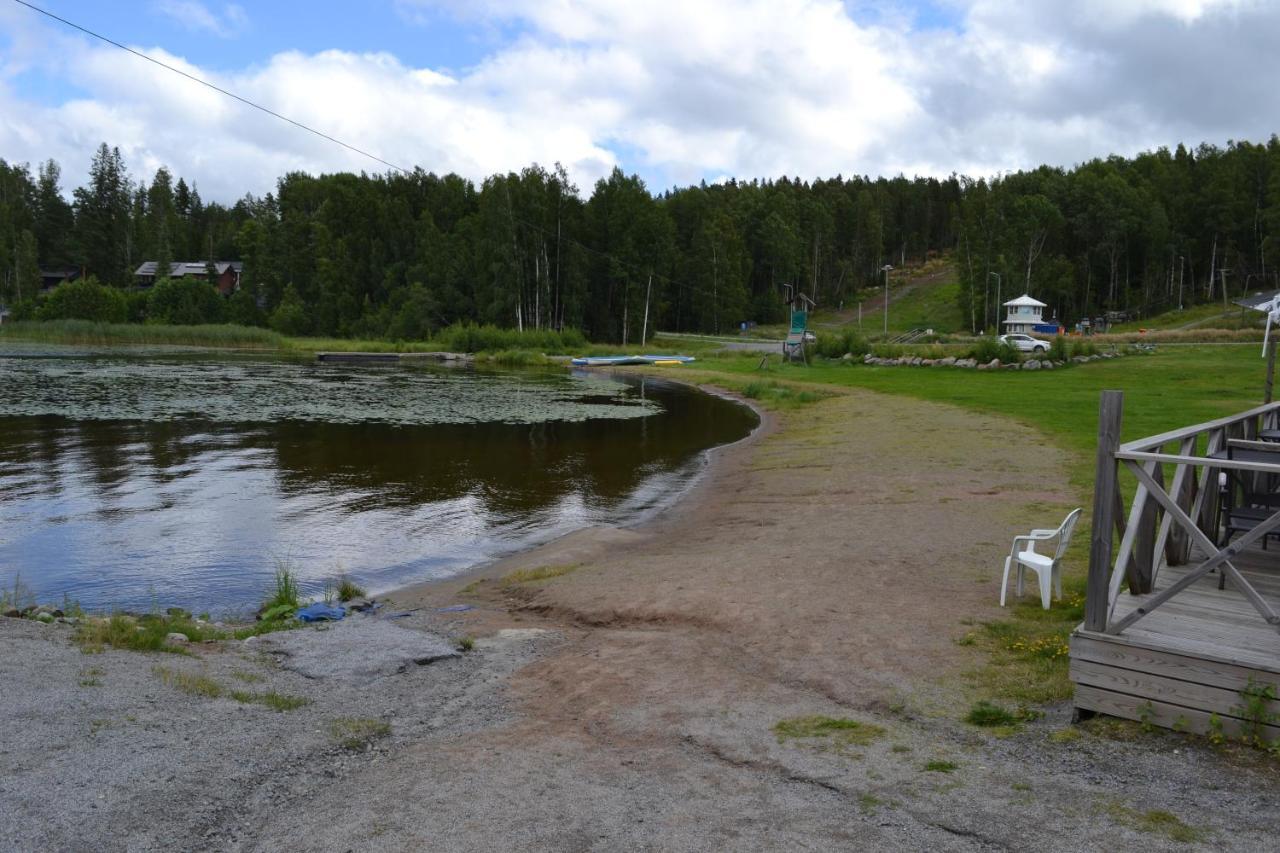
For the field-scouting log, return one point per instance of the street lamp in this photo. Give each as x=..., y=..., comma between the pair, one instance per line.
x=997, y=275
x=885, y=269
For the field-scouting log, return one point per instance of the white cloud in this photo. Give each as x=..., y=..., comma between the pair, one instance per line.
x=198, y=17
x=682, y=90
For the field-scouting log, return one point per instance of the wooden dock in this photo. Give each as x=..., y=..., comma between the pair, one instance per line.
x=374, y=357
x=1190, y=658
x=1160, y=642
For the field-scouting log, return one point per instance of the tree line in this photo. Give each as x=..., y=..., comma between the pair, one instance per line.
x=402, y=255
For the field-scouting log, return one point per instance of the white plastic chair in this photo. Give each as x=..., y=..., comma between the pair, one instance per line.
x=1048, y=569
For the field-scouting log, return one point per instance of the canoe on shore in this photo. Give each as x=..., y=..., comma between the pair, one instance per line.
x=617, y=360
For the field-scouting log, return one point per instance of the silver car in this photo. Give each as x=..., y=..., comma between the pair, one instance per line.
x=1025, y=343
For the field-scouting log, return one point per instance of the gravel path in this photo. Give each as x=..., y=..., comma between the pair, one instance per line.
x=630, y=701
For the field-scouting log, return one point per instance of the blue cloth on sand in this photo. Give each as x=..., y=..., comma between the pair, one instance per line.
x=321, y=612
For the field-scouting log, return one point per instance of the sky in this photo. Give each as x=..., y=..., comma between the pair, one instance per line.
x=677, y=91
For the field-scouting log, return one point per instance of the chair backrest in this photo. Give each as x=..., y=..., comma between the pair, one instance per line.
x=1064, y=532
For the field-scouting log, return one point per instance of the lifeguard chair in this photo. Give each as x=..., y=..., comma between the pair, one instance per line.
x=793, y=347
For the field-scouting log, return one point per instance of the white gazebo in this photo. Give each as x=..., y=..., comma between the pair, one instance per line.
x=1023, y=314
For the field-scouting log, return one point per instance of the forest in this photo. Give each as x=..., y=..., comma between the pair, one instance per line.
x=401, y=255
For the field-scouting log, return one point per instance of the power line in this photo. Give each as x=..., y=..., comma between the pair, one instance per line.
x=212, y=86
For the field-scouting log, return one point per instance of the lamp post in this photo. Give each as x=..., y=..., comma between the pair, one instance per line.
x=1182, y=267
x=885, y=269
x=997, y=275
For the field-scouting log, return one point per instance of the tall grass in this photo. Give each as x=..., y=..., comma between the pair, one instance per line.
x=88, y=333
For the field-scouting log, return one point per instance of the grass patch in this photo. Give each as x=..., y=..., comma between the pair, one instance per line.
x=142, y=633
x=541, y=573
x=358, y=732
x=781, y=395
x=1156, y=822
x=989, y=715
x=247, y=677
x=88, y=333
x=837, y=731
x=190, y=683
x=283, y=599
x=941, y=767
x=466, y=644
x=349, y=590
x=271, y=699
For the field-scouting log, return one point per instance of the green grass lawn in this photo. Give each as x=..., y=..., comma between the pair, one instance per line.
x=1174, y=387
x=1209, y=316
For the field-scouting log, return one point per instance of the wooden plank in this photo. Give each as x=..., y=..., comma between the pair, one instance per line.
x=1228, y=640
x=1191, y=647
x=1179, y=459
x=1110, y=410
x=1159, y=688
x=1162, y=714
x=1183, y=432
x=1168, y=664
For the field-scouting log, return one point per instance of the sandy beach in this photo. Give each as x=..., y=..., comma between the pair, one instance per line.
x=627, y=685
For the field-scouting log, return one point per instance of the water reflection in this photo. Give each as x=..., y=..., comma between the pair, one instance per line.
x=196, y=509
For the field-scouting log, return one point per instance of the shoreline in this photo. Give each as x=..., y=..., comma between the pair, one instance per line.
x=597, y=537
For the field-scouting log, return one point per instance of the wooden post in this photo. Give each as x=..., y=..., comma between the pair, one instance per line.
x=1110, y=410
x=1271, y=370
x=1145, y=540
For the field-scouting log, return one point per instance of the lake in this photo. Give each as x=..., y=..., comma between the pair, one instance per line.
x=143, y=478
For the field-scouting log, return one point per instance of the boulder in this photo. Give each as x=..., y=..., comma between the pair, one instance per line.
x=1033, y=364
x=1047, y=365
x=13, y=613
x=993, y=363
x=946, y=362
x=176, y=639
x=847, y=357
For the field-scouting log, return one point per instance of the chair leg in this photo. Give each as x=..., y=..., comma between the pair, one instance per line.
x=1046, y=580
x=1057, y=581
x=1004, y=581
x=1019, y=571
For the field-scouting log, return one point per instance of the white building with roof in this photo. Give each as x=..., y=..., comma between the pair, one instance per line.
x=1023, y=314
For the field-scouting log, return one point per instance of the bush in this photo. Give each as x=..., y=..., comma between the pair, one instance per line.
x=85, y=299
x=185, y=302
x=836, y=344
x=472, y=338
x=990, y=347
x=1079, y=348
x=1058, y=349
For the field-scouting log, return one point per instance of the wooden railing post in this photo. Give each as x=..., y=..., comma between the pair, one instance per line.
x=1110, y=411
x=1144, y=543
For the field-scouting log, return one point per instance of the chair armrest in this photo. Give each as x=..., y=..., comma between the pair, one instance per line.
x=1036, y=536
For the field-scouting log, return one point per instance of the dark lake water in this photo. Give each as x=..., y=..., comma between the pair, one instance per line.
x=135, y=479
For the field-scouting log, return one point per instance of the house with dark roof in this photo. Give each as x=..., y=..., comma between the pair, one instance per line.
x=51, y=277
x=226, y=273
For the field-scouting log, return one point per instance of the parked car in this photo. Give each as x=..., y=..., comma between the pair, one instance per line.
x=1025, y=343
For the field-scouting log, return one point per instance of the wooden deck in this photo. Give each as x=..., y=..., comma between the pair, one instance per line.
x=1189, y=658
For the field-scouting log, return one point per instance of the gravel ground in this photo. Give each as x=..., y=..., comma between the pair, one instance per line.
x=630, y=703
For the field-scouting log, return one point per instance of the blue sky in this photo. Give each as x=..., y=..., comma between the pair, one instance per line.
x=676, y=90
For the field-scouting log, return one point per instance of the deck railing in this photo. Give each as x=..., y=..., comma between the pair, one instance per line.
x=1163, y=524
